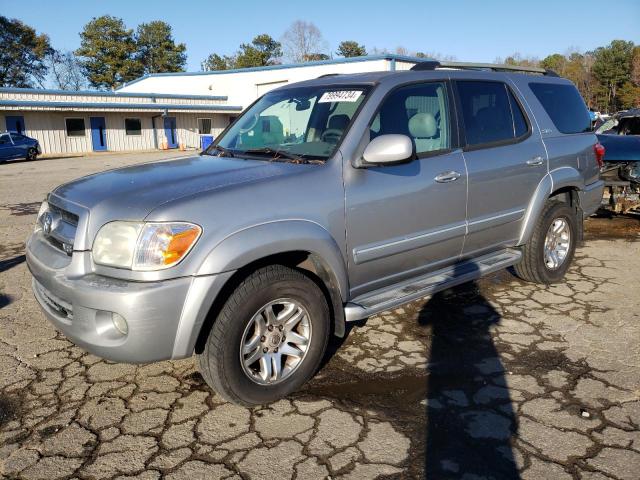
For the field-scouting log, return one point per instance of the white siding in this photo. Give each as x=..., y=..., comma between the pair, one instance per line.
x=49, y=128
x=242, y=88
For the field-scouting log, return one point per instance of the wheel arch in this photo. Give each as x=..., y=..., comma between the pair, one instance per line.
x=299, y=244
x=563, y=184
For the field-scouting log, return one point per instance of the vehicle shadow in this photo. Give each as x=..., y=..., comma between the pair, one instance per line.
x=11, y=262
x=470, y=419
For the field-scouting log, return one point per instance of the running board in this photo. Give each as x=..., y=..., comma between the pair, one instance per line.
x=390, y=297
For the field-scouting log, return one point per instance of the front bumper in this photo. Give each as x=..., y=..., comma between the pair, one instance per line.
x=591, y=197
x=163, y=317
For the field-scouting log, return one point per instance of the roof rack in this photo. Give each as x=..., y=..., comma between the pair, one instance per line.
x=494, y=67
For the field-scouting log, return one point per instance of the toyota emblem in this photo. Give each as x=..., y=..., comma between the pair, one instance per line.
x=47, y=222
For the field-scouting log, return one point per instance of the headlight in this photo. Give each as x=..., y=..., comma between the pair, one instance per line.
x=144, y=246
x=43, y=208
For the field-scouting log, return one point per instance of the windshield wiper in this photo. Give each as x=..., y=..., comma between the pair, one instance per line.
x=217, y=148
x=277, y=154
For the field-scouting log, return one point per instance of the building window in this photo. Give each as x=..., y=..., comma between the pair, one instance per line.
x=204, y=126
x=75, y=127
x=133, y=126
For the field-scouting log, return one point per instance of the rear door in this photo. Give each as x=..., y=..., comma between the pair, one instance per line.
x=505, y=160
x=21, y=144
x=403, y=220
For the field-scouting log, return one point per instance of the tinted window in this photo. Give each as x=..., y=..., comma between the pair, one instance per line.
x=4, y=139
x=17, y=137
x=75, y=127
x=520, y=126
x=418, y=111
x=486, y=111
x=133, y=126
x=564, y=105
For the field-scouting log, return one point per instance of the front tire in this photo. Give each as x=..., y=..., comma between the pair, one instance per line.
x=268, y=339
x=32, y=154
x=547, y=256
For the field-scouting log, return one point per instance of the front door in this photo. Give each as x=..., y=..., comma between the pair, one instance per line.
x=98, y=134
x=170, y=132
x=404, y=220
x=505, y=159
x=7, y=149
x=15, y=124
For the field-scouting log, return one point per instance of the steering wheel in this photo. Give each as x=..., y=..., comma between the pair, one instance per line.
x=331, y=135
x=250, y=123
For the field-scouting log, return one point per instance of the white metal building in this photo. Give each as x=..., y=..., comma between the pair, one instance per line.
x=243, y=86
x=164, y=110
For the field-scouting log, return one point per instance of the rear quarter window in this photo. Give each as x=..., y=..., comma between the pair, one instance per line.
x=564, y=105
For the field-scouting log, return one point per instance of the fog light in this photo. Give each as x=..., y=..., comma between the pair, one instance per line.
x=120, y=323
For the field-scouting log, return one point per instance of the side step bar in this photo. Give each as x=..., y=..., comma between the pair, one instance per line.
x=404, y=292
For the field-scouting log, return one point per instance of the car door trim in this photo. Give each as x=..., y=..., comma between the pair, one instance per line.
x=495, y=220
x=377, y=251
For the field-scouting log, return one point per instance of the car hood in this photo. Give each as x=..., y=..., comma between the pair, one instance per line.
x=131, y=193
x=621, y=148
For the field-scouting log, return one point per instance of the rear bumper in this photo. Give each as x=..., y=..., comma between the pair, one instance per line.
x=591, y=197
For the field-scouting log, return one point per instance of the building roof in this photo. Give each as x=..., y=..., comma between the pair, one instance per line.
x=366, y=58
x=100, y=93
x=89, y=100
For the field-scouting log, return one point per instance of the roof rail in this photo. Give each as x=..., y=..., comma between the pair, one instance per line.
x=495, y=67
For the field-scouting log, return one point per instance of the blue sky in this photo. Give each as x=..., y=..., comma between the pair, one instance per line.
x=469, y=30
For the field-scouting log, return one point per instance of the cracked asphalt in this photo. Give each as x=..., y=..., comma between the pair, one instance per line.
x=493, y=379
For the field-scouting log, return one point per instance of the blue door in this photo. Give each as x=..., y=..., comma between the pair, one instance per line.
x=15, y=124
x=170, y=132
x=98, y=134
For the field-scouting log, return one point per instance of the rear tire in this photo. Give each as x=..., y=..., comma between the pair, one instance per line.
x=548, y=254
x=224, y=362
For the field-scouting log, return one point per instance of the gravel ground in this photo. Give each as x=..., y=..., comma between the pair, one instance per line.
x=493, y=379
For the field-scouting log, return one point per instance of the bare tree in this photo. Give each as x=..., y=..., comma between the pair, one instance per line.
x=303, y=41
x=65, y=71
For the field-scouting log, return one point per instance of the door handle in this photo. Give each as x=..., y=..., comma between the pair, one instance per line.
x=446, y=177
x=535, y=161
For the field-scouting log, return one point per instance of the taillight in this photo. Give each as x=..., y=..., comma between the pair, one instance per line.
x=599, y=150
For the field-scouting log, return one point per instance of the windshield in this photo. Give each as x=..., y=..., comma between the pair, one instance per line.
x=293, y=124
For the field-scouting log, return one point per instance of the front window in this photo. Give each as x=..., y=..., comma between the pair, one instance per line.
x=419, y=111
x=296, y=123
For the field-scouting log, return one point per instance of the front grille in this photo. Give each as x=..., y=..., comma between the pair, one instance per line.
x=68, y=217
x=63, y=232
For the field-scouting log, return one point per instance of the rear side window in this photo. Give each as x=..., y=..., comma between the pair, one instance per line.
x=520, y=126
x=564, y=105
x=490, y=112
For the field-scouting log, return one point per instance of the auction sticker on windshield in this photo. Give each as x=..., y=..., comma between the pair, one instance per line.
x=340, y=96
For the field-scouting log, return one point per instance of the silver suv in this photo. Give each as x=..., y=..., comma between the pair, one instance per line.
x=326, y=202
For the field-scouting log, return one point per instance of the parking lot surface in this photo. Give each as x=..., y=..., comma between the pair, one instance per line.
x=493, y=379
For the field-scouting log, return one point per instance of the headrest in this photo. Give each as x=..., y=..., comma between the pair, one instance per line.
x=423, y=125
x=339, y=122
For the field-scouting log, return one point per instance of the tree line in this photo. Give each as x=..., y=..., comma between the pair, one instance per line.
x=608, y=77
x=111, y=54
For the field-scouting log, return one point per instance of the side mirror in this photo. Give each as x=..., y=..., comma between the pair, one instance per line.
x=388, y=149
